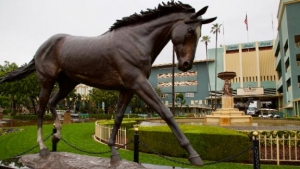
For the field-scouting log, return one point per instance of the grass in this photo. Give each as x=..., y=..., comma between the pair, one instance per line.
x=80, y=135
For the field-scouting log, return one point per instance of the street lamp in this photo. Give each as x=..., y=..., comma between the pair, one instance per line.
x=70, y=105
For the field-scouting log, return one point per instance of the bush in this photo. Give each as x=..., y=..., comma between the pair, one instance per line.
x=293, y=118
x=6, y=111
x=212, y=143
x=126, y=123
x=101, y=116
x=31, y=117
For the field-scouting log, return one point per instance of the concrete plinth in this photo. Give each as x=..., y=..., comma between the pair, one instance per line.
x=227, y=115
x=67, y=117
x=74, y=161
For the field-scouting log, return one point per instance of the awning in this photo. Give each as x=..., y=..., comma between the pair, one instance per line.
x=289, y=106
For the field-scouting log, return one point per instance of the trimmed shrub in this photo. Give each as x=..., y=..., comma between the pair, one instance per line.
x=126, y=123
x=31, y=117
x=211, y=142
x=101, y=116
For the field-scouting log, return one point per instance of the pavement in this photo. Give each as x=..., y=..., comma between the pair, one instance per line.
x=152, y=166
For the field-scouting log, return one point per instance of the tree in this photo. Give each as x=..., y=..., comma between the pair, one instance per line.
x=9, y=89
x=215, y=30
x=23, y=92
x=206, y=40
x=180, y=98
x=109, y=97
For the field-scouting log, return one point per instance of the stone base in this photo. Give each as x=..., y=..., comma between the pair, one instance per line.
x=228, y=118
x=67, y=117
x=60, y=160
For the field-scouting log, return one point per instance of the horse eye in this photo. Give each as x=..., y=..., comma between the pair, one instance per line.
x=190, y=30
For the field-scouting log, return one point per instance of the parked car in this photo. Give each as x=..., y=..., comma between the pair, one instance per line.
x=267, y=113
x=264, y=115
x=252, y=111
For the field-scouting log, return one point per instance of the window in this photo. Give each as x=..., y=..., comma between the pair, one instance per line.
x=288, y=84
x=277, y=49
x=189, y=95
x=200, y=101
x=298, y=59
x=286, y=47
x=287, y=65
x=297, y=41
x=164, y=95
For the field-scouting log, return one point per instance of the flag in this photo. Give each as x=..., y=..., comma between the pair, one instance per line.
x=246, y=22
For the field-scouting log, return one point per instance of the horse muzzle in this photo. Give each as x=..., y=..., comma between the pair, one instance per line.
x=185, y=66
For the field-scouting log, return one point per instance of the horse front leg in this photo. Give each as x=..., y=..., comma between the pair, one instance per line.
x=124, y=99
x=148, y=95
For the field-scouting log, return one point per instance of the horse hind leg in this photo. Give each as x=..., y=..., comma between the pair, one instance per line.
x=46, y=88
x=65, y=86
x=124, y=99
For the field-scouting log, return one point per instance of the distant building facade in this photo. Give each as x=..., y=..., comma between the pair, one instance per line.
x=254, y=64
x=287, y=55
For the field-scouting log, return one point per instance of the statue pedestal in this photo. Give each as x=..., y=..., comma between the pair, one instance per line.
x=69, y=160
x=67, y=117
x=227, y=115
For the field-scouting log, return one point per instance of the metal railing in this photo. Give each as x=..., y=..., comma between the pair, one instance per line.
x=279, y=149
x=102, y=133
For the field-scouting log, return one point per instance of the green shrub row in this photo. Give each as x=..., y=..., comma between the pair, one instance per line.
x=31, y=117
x=293, y=118
x=212, y=143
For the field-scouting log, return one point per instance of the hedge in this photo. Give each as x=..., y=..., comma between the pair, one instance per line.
x=211, y=142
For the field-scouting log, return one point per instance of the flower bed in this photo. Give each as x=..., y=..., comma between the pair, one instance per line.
x=4, y=131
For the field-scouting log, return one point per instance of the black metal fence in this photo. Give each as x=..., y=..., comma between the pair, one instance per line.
x=136, y=141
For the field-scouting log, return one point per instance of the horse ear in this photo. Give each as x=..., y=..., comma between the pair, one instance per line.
x=200, y=12
x=206, y=21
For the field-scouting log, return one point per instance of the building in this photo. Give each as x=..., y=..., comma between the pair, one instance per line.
x=193, y=84
x=83, y=90
x=287, y=54
x=254, y=64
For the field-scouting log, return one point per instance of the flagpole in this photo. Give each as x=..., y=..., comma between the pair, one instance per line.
x=246, y=22
x=272, y=27
x=223, y=35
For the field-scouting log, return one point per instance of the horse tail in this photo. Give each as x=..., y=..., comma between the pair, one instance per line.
x=19, y=73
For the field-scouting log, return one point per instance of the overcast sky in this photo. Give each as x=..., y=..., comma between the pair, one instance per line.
x=26, y=24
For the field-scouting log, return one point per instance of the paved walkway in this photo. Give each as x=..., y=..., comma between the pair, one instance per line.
x=152, y=166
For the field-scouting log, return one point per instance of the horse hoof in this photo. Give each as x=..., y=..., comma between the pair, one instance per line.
x=196, y=161
x=44, y=153
x=115, y=158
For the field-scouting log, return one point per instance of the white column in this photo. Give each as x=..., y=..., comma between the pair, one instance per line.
x=258, y=65
x=241, y=66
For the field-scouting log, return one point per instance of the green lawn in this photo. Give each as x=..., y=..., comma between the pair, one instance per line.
x=80, y=135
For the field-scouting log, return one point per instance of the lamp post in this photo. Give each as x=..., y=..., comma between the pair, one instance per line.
x=136, y=145
x=70, y=105
x=66, y=103
x=75, y=99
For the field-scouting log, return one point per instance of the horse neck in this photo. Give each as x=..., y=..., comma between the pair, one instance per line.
x=156, y=33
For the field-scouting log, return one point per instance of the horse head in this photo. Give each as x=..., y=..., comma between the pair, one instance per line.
x=185, y=35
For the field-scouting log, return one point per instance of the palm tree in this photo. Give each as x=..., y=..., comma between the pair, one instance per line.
x=206, y=40
x=215, y=30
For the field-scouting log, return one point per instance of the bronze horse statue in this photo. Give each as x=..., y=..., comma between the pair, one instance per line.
x=243, y=106
x=119, y=59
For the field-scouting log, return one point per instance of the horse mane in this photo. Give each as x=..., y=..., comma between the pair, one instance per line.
x=161, y=10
